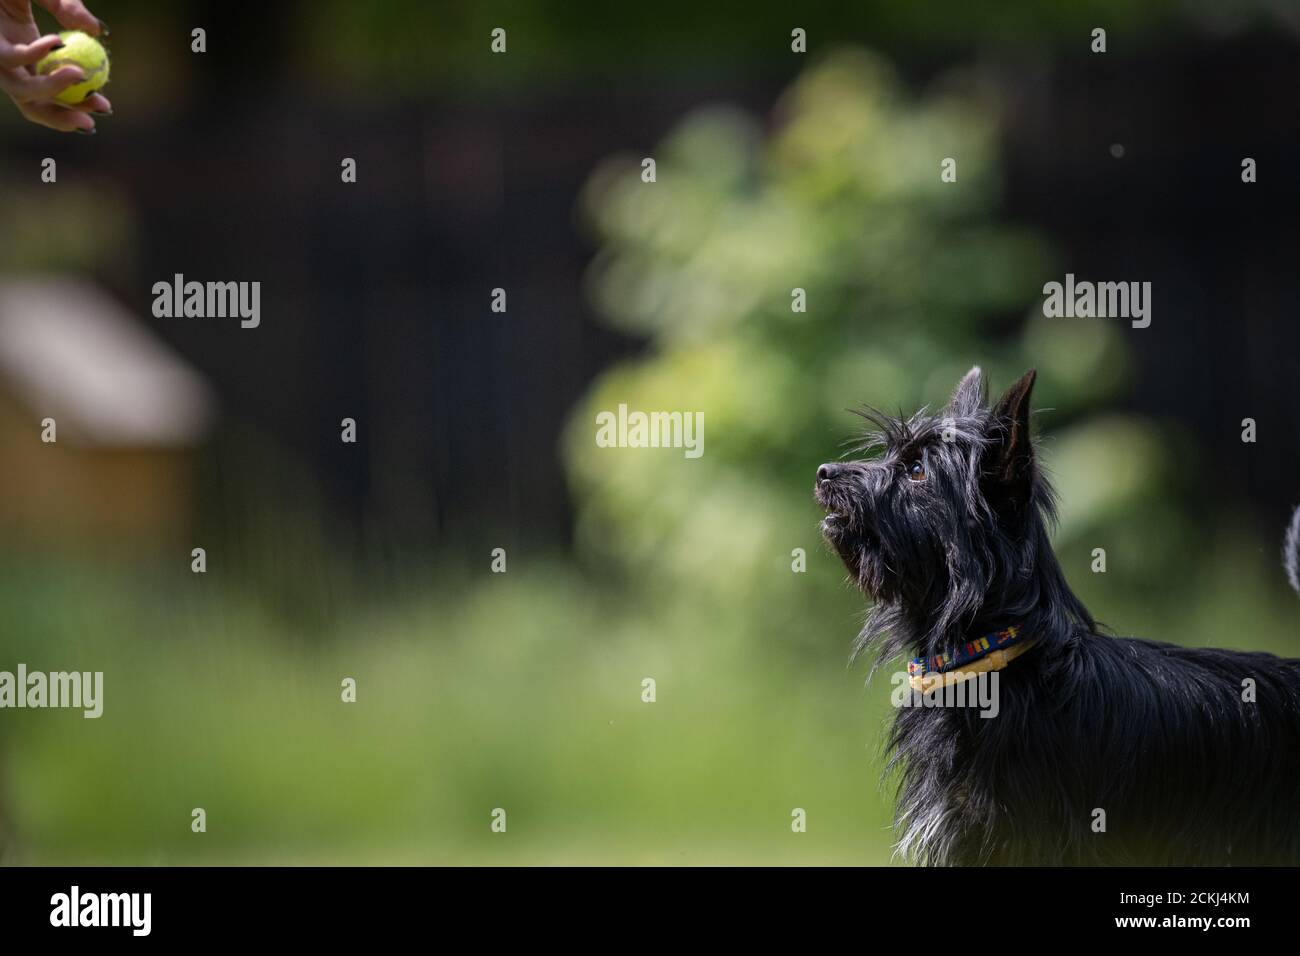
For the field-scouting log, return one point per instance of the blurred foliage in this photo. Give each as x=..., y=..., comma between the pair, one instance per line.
x=415, y=48
x=519, y=691
x=78, y=226
x=522, y=691
x=909, y=282
x=413, y=45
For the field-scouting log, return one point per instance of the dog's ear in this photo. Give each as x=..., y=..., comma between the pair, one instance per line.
x=1009, y=460
x=970, y=395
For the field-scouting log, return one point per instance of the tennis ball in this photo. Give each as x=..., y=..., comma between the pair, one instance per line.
x=83, y=50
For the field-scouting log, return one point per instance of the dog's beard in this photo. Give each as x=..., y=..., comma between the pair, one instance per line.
x=852, y=551
x=862, y=551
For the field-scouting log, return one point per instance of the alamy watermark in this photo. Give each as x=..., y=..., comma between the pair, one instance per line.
x=133, y=911
x=625, y=429
x=1101, y=300
x=978, y=690
x=208, y=300
x=78, y=690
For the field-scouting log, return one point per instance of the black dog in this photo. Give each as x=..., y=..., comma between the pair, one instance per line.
x=1104, y=750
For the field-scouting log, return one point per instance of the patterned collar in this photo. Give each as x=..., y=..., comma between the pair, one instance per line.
x=988, y=653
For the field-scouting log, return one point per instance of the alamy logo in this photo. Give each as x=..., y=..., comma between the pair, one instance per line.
x=626, y=429
x=57, y=689
x=103, y=909
x=978, y=690
x=209, y=300
x=1102, y=300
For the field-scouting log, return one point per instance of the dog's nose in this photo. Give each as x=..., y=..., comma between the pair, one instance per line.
x=828, y=471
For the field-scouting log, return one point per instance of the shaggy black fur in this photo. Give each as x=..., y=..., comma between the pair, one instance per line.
x=947, y=530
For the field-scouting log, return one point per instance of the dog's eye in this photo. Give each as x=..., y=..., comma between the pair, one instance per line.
x=916, y=471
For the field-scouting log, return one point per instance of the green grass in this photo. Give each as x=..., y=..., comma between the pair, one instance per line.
x=520, y=691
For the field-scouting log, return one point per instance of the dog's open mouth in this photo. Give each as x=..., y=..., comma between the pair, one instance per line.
x=837, y=527
x=840, y=527
x=831, y=500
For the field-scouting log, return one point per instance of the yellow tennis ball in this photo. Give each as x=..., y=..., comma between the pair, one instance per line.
x=83, y=50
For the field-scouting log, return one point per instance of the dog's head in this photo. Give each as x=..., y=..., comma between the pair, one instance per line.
x=947, y=510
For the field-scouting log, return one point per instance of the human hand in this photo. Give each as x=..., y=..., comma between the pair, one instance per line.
x=22, y=46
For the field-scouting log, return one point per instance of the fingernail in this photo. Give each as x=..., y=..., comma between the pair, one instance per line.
x=84, y=132
x=103, y=27
x=58, y=46
x=102, y=112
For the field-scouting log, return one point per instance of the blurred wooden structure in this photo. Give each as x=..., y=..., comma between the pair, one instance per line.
x=129, y=416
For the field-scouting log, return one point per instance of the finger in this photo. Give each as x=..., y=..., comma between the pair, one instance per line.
x=58, y=118
x=94, y=103
x=74, y=15
x=27, y=88
x=27, y=54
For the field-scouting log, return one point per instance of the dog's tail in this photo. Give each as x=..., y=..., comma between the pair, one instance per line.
x=1291, y=551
